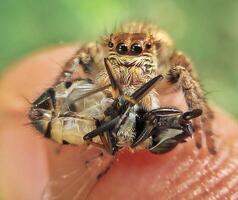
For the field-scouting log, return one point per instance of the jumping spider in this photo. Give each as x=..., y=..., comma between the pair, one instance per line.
x=135, y=54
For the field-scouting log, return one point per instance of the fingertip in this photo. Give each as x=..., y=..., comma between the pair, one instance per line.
x=184, y=173
x=23, y=157
x=30, y=76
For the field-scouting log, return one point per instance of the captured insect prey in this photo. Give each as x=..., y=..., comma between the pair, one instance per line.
x=117, y=105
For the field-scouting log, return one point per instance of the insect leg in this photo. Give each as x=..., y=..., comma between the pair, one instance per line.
x=48, y=130
x=96, y=144
x=165, y=111
x=111, y=142
x=104, y=141
x=146, y=88
x=100, y=130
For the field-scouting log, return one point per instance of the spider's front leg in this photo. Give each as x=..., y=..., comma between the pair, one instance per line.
x=86, y=62
x=181, y=74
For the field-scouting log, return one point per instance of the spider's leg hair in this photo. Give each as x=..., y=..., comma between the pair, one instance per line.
x=117, y=90
x=146, y=88
x=27, y=100
x=108, y=125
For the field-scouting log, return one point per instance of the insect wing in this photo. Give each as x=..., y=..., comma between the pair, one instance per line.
x=75, y=171
x=83, y=89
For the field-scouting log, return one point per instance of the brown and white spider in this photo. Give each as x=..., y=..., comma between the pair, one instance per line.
x=139, y=52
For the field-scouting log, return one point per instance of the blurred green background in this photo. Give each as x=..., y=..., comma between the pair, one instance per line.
x=205, y=30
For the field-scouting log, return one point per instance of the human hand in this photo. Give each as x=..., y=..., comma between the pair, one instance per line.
x=26, y=159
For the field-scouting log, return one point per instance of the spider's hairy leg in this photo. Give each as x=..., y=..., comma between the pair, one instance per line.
x=197, y=125
x=88, y=59
x=206, y=120
x=181, y=75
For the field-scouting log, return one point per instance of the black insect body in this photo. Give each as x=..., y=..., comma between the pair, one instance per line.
x=129, y=124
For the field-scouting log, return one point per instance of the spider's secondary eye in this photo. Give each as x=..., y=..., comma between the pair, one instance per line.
x=148, y=45
x=110, y=44
x=122, y=48
x=136, y=48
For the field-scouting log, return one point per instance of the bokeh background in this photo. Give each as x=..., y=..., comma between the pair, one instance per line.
x=207, y=31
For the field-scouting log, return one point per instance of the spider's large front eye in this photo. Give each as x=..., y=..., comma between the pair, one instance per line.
x=122, y=48
x=136, y=49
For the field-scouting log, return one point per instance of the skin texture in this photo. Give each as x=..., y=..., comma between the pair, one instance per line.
x=27, y=160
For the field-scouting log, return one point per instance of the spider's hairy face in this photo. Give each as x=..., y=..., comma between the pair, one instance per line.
x=132, y=56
